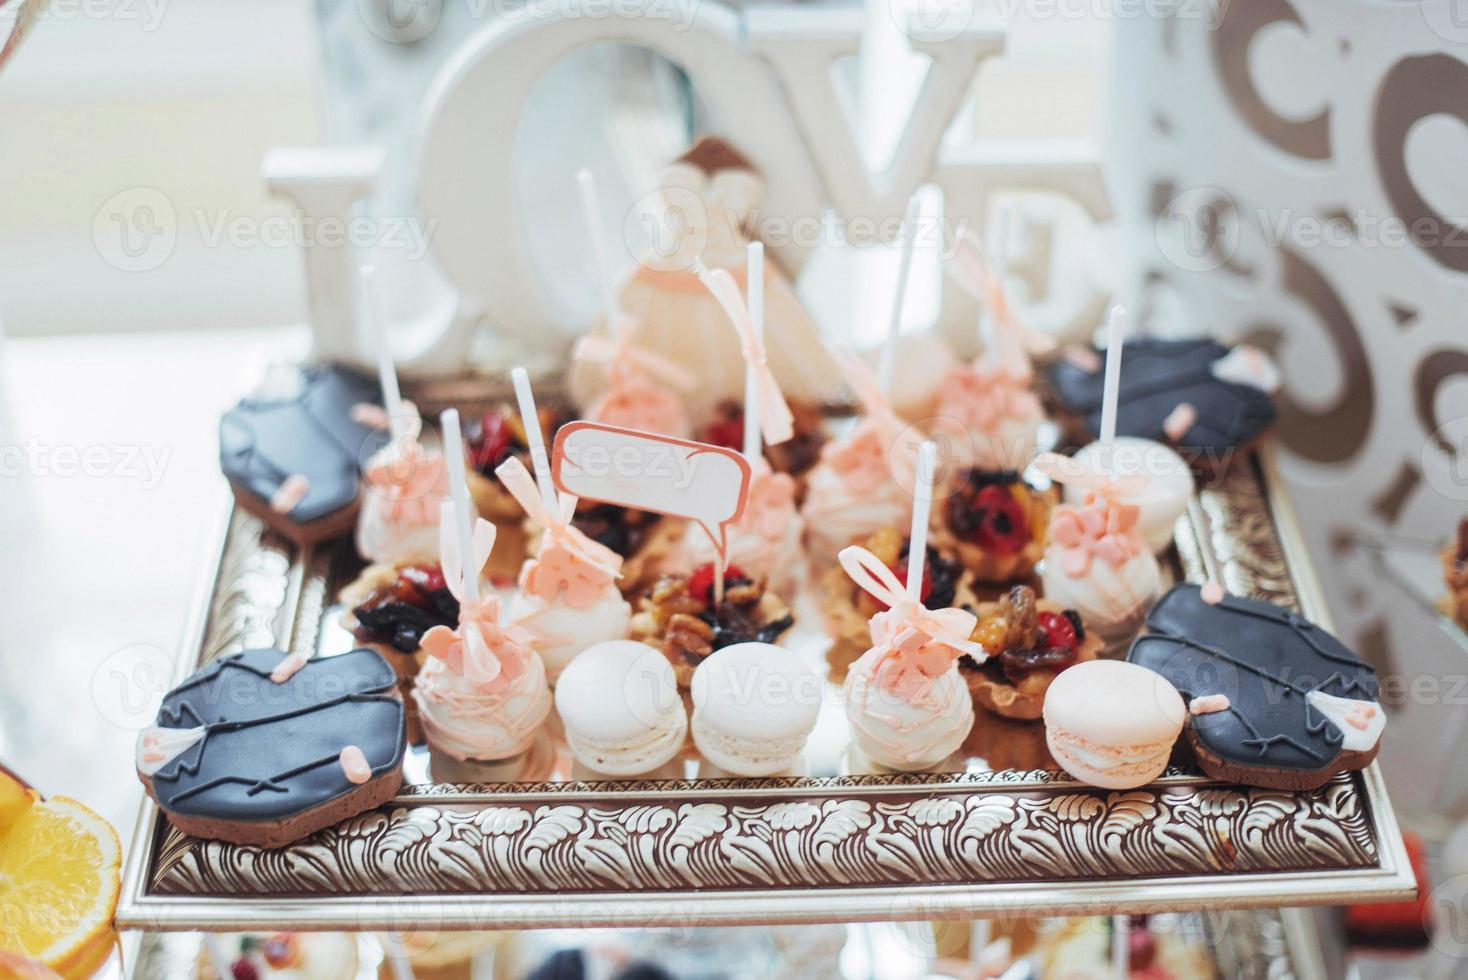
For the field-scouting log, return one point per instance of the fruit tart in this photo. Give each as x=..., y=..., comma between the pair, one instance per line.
x=1030, y=640
x=1455, y=573
x=680, y=617
x=796, y=456
x=996, y=523
x=849, y=609
x=492, y=438
x=388, y=609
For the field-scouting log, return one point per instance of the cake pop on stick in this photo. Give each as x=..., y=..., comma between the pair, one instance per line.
x=643, y=386
x=1167, y=481
x=405, y=483
x=483, y=695
x=907, y=704
x=765, y=542
x=1098, y=562
x=887, y=362
x=568, y=597
x=986, y=411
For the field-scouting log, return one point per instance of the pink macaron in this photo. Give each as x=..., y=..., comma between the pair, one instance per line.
x=1112, y=724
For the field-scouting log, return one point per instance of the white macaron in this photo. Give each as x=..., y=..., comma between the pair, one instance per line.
x=619, y=702
x=754, y=705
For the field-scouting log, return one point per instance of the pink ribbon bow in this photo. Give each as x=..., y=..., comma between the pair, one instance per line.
x=618, y=351
x=775, y=419
x=1091, y=475
x=1099, y=528
x=770, y=505
x=864, y=459
x=487, y=654
x=568, y=559
x=915, y=644
x=982, y=397
x=411, y=482
x=969, y=266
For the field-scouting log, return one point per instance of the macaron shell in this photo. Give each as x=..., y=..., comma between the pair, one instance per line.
x=743, y=755
x=610, y=759
x=757, y=690
x=615, y=693
x=1115, y=703
x=1130, y=778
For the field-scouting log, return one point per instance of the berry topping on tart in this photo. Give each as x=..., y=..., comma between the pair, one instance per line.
x=1026, y=640
x=794, y=456
x=399, y=613
x=679, y=616
x=620, y=528
x=941, y=573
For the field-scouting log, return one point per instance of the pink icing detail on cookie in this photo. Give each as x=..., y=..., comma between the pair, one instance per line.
x=370, y=415
x=1097, y=529
x=1179, y=421
x=1083, y=357
x=1212, y=592
x=354, y=765
x=1209, y=704
x=290, y=494
x=287, y=668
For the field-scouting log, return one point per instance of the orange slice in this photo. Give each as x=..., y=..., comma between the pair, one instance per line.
x=15, y=798
x=59, y=881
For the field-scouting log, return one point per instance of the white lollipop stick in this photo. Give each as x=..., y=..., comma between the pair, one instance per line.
x=917, y=546
x=755, y=299
x=1115, y=341
x=887, y=365
x=453, y=452
x=597, y=235
x=402, y=967
x=387, y=375
x=530, y=419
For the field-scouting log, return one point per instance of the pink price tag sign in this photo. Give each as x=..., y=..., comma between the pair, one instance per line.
x=645, y=471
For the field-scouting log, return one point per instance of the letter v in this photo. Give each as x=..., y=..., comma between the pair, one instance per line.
x=803, y=44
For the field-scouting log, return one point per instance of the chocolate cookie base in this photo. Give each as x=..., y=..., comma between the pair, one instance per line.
x=278, y=833
x=334, y=525
x=1270, y=777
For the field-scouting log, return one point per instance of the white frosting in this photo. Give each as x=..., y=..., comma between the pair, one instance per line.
x=381, y=541
x=1161, y=500
x=834, y=518
x=921, y=362
x=561, y=632
x=157, y=747
x=1359, y=737
x=907, y=734
x=468, y=723
x=1112, y=601
x=1246, y=365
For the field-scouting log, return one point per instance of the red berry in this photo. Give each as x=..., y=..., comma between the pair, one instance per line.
x=1001, y=526
x=701, y=582
x=416, y=585
x=489, y=445
x=925, y=590
x=243, y=969
x=1058, y=631
x=727, y=431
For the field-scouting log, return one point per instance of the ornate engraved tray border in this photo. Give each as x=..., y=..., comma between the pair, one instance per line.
x=870, y=847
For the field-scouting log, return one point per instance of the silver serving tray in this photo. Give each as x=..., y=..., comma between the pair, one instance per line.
x=835, y=846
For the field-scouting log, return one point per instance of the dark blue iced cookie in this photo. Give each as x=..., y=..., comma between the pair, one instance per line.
x=260, y=748
x=1205, y=399
x=293, y=453
x=1274, y=700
